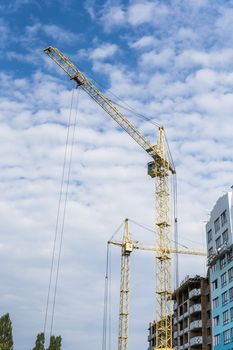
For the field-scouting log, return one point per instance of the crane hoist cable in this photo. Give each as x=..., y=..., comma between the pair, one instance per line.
x=58, y=212
x=105, y=310
x=58, y=216
x=127, y=107
x=151, y=230
x=64, y=208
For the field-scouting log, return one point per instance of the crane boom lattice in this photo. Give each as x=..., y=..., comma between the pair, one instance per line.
x=126, y=250
x=163, y=316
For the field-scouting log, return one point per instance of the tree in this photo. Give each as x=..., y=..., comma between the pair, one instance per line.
x=39, y=342
x=6, y=338
x=55, y=343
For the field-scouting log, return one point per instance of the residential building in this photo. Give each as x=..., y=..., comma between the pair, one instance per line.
x=192, y=314
x=219, y=236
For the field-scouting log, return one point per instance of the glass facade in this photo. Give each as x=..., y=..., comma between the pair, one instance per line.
x=222, y=306
x=219, y=235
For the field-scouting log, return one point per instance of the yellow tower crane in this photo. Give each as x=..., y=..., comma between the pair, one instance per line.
x=127, y=246
x=160, y=168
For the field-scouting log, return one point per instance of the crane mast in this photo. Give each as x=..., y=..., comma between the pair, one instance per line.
x=126, y=250
x=159, y=168
x=127, y=246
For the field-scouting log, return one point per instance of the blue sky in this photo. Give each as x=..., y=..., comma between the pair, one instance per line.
x=169, y=60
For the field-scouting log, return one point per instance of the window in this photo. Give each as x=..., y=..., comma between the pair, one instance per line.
x=210, y=251
x=214, y=267
x=230, y=256
x=216, y=321
x=223, y=261
x=218, y=242
x=231, y=293
x=224, y=217
x=225, y=317
x=225, y=236
x=224, y=298
x=217, y=339
x=215, y=284
x=230, y=274
x=209, y=236
x=227, y=336
x=223, y=279
x=215, y=302
x=217, y=225
x=231, y=313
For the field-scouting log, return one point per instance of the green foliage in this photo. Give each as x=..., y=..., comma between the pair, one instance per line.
x=55, y=343
x=6, y=338
x=39, y=342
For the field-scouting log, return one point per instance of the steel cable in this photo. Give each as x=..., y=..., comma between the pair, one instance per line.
x=64, y=211
x=58, y=213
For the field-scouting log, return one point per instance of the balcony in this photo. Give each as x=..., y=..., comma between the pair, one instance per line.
x=195, y=341
x=175, y=320
x=195, y=325
x=184, y=315
x=175, y=334
x=186, y=346
x=196, y=292
x=186, y=330
x=174, y=305
x=181, y=331
x=195, y=308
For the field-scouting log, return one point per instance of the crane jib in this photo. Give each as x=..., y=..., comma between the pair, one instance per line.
x=81, y=80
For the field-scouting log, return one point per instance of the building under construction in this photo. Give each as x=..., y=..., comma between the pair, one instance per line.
x=191, y=317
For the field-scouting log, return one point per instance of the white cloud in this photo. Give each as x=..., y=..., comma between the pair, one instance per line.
x=58, y=33
x=53, y=31
x=187, y=34
x=157, y=59
x=223, y=26
x=5, y=33
x=113, y=16
x=89, y=7
x=103, y=51
x=144, y=42
x=216, y=59
x=197, y=3
x=146, y=12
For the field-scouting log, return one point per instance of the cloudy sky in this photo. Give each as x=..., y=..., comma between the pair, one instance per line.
x=169, y=60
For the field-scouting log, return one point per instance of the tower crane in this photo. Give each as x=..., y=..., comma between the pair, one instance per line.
x=127, y=246
x=160, y=168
